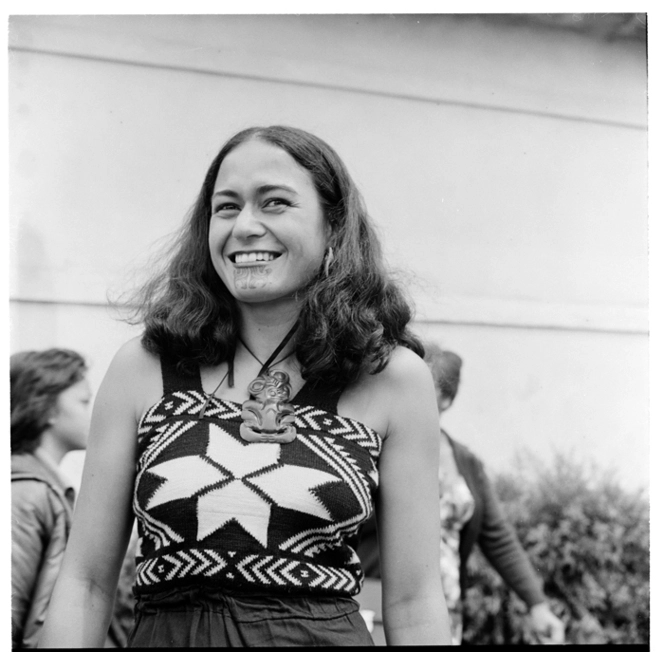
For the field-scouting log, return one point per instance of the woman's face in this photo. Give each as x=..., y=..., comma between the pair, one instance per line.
x=70, y=422
x=267, y=233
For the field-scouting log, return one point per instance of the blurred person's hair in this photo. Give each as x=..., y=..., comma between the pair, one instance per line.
x=353, y=314
x=445, y=367
x=37, y=378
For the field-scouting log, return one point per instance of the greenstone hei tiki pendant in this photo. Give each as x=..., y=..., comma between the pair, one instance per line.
x=266, y=415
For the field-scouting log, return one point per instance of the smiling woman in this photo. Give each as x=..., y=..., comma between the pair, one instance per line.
x=275, y=399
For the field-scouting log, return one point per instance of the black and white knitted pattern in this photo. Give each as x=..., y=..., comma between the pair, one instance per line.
x=216, y=510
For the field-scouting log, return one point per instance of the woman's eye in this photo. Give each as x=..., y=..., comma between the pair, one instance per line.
x=224, y=208
x=277, y=202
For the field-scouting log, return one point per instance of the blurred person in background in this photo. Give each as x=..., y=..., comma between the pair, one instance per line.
x=470, y=514
x=50, y=416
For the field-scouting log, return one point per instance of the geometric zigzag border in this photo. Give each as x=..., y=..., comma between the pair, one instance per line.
x=234, y=569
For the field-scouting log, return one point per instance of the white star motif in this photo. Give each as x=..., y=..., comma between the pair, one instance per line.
x=285, y=485
x=184, y=477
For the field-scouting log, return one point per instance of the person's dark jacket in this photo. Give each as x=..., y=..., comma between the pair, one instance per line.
x=487, y=527
x=42, y=507
x=42, y=511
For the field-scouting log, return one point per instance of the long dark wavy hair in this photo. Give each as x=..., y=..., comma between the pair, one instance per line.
x=353, y=314
x=37, y=378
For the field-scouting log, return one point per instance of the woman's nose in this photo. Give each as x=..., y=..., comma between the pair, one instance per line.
x=248, y=223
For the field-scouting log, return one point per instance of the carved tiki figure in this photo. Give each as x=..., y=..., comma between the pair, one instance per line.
x=267, y=416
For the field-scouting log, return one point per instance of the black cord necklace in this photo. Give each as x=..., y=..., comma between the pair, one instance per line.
x=255, y=357
x=266, y=414
x=208, y=397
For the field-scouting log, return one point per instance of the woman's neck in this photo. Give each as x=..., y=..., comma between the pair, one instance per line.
x=51, y=447
x=263, y=328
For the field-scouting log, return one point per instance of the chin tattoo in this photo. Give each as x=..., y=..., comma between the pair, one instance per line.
x=251, y=278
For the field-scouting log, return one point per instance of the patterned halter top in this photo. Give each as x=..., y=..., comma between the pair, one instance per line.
x=215, y=510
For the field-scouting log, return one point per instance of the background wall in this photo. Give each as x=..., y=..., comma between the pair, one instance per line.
x=503, y=159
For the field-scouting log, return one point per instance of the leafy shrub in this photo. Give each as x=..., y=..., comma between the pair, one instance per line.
x=587, y=538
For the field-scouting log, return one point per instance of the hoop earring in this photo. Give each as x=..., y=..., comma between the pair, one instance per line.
x=329, y=257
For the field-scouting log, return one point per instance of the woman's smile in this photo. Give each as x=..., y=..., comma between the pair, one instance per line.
x=244, y=258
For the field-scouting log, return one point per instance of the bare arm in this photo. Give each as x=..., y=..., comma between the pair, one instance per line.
x=414, y=609
x=82, y=602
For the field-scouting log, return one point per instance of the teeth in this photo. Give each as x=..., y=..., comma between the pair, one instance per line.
x=254, y=256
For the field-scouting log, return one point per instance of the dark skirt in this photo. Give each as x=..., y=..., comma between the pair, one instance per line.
x=205, y=618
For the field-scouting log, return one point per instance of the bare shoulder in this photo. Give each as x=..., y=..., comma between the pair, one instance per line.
x=133, y=356
x=134, y=375
x=375, y=399
x=403, y=368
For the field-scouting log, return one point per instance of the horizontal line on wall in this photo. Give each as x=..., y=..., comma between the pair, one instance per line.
x=335, y=87
x=535, y=327
x=521, y=324
x=504, y=312
x=83, y=303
